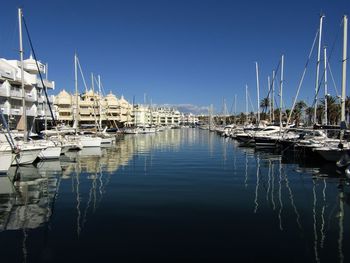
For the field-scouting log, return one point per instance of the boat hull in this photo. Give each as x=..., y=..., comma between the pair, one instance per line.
x=6, y=159
x=26, y=156
x=50, y=153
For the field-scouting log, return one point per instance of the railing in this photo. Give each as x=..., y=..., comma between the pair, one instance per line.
x=65, y=109
x=84, y=111
x=31, y=112
x=14, y=93
x=48, y=84
x=65, y=118
x=30, y=97
x=5, y=90
x=16, y=111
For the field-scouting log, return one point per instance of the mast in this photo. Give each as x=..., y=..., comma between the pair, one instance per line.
x=318, y=67
x=269, y=91
x=281, y=92
x=257, y=90
x=325, y=86
x=246, y=102
x=273, y=96
x=94, y=102
x=343, y=83
x=235, y=108
x=100, y=93
x=44, y=102
x=76, y=122
x=24, y=113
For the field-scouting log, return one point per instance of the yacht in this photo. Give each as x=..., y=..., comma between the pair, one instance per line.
x=6, y=158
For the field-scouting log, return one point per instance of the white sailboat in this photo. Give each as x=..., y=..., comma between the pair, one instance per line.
x=335, y=151
x=28, y=152
x=6, y=158
x=85, y=140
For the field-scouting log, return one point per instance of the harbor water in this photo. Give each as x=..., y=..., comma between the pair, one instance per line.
x=181, y=194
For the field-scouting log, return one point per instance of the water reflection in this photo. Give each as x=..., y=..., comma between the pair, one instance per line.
x=323, y=201
x=194, y=179
x=27, y=197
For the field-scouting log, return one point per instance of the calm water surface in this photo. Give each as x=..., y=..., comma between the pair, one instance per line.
x=173, y=196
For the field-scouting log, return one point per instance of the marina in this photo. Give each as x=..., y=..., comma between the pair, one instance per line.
x=91, y=173
x=182, y=193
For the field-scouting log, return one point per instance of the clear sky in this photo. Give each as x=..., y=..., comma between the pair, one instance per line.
x=196, y=52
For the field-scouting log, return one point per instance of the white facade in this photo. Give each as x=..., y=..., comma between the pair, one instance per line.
x=189, y=119
x=160, y=116
x=11, y=93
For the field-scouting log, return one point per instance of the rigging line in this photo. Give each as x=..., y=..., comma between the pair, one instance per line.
x=273, y=79
x=271, y=85
x=331, y=73
x=335, y=40
x=329, y=58
x=302, y=76
x=82, y=74
x=37, y=65
x=250, y=100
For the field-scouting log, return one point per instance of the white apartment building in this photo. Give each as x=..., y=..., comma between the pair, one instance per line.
x=189, y=119
x=11, y=91
x=161, y=116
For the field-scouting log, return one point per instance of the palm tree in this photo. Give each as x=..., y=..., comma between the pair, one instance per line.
x=333, y=110
x=297, y=112
x=265, y=103
x=347, y=109
x=309, y=111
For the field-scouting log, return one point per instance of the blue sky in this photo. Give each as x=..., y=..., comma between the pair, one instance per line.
x=195, y=52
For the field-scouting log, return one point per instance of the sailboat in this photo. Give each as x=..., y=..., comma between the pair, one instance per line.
x=29, y=151
x=338, y=152
x=85, y=140
x=6, y=158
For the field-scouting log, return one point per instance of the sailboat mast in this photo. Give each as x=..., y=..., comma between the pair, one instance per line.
x=257, y=90
x=235, y=107
x=76, y=92
x=246, y=102
x=273, y=96
x=24, y=110
x=281, y=91
x=100, y=93
x=343, y=83
x=325, y=86
x=94, y=102
x=318, y=67
x=269, y=91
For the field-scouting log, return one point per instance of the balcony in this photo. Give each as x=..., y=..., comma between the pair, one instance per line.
x=65, y=118
x=48, y=84
x=65, y=110
x=87, y=118
x=16, y=93
x=30, y=66
x=113, y=118
x=85, y=103
x=113, y=110
x=84, y=111
x=5, y=89
x=32, y=97
x=16, y=111
x=31, y=112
